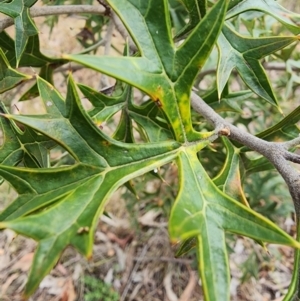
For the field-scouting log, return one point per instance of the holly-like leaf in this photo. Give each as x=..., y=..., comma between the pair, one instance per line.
x=231, y=102
x=201, y=210
x=243, y=54
x=165, y=72
x=104, y=107
x=81, y=189
x=46, y=72
x=285, y=129
x=9, y=77
x=24, y=147
x=196, y=10
x=257, y=165
x=229, y=179
x=161, y=61
x=147, y=117
x=270, y=7
x=31, y=57
x=25, y=27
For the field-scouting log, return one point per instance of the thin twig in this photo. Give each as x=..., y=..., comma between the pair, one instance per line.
x=123, y=31
x=56, y=10
x=108, y=37
x=276, y=152
x=135, y=268
x=107, y=48
x=292, y=143
x=164, y=259
x=274, y=66
x=93, y=47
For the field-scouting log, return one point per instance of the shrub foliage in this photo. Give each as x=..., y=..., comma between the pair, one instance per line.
x=164, y=57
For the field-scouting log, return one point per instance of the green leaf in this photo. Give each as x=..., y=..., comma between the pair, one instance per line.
x=23, y=146
x=229, y=180
x=165, y=71
x=196, y=10
x=82, y=189
x=201, y=210
x=124, y=131
x=293, y=290
x=243, y=54
x=104, y=107
x=31, y=57
x=186, y=246
x=25, y=27
x=270, y=7
x=231, y=102
x=178, y=15
x=161, y=62
x=9, y=77
x=11, y=153
x=154, y=126
x=285, y=129
x=46, y=73
x=257, y=165
x=146, y=115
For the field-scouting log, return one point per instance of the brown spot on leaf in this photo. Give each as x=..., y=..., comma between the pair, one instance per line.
x=158, y=103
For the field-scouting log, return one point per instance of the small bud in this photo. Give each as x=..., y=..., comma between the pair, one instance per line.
x=224, y=132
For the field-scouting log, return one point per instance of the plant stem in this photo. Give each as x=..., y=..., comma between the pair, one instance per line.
x=276, y=152
x=56, y=10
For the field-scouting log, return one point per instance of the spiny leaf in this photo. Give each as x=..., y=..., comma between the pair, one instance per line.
x=83, y=200
x=9, y=77
x=229, y=180
x=102, y=164
x=81, y=189
x=285, y=129
x=31, y=56
x=270, y=7
x=145, y=115
x=243, y=54
x=231, y=102
x=25, y=27
x=23, y=146
x=154, y=126
x=201, y=210
x=104, y=106
x=196, y=10
x=192, y=54
x=161, y=62
x=46, y=72
x=256, y=165
x=92, y=145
